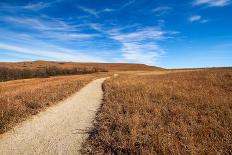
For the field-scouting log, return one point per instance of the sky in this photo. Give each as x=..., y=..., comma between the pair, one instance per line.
x=167, y=33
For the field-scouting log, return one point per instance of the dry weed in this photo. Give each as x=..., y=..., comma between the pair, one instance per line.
x=179, y=113
x=20, y=99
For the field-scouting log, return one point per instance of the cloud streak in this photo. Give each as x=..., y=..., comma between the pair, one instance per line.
x=94, y=12
x=39, y=23
x=49, y=27
x=59, y=39
x=43, y=36
x=139, y=46
x=54, y=54
x=197, y=18
x=28, y=7
x=212, y=3
x=162, y=10
x=89, y=11
x=128, y=4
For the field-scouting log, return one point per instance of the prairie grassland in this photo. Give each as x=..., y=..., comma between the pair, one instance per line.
x=68, y=65
x=178, y=113
x=20, y=99
x=7, y=73
x=43, y=69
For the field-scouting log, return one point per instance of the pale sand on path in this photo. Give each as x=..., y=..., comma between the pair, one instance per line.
x=60, y=129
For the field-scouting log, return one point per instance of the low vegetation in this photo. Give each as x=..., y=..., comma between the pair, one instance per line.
x=106, y=66
x=20, y=99
x=176, y=113
x=7, y=73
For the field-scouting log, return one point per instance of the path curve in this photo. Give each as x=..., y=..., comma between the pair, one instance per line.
x=60, y=129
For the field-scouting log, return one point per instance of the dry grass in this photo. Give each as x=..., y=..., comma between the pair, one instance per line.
x=14, y=73
x=106, y=66
x=179, y=113
x=20, y=99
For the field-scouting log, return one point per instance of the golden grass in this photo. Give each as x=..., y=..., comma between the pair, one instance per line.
x=20, y=99
x=179, y=113
x=107, y=66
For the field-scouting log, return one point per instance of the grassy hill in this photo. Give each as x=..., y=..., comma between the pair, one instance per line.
x=106, y=66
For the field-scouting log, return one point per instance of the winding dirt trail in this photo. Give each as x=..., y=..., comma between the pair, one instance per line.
x=60, y=129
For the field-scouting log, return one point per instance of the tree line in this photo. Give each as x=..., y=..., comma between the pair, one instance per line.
x=7, y=74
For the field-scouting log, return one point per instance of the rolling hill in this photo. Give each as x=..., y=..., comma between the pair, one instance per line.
x=107, y=66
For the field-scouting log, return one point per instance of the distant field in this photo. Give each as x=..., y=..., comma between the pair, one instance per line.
x=107, y=66
x=43, y=69
x=20, y=99
x=174, y=113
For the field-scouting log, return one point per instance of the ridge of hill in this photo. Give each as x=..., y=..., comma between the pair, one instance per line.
x=107, y=66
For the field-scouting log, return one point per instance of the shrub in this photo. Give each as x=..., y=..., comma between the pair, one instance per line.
x=7, y=74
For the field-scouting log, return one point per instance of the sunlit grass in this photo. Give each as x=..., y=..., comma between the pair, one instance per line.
x=179, y=113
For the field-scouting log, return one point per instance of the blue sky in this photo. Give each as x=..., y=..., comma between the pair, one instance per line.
x=167, y=33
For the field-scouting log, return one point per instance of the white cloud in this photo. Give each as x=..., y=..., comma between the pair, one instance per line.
x=162, y=10
x=31, y=6
x=197, y=18
x=32, y=51
x=139, y=46
x=128, y=4
x=139, y=35
x=107, y=10
x=59, y=54
x=39, y=23
x=194, y=18
x=212, y=3
x=38, y=44
x=147, y=53
x=95, y=12
x=36, y=6
x=50, y=27
x=89, y=11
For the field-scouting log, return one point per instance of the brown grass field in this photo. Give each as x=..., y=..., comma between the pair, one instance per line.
x=107, y=66
x=146, y=110
x=177, y=113
x=20, y=99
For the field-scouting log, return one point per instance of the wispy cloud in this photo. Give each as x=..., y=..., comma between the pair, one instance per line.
x=162, y=10
x=127, y=4
x=19, y=49
x=139, y=46
x=39, y=23
x=212, y=3
x=89, y=11
x=108, y=10
x=60, y=39
x=139, y=35
x=30, y=6
x=49, y=27
x=36, y=6
x=95, y=12
x=55, y=53
x=197, y=18
x=194, y=18
x=39, y=36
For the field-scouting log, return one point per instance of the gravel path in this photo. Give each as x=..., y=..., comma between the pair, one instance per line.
x=60, y=129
